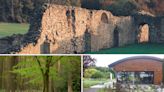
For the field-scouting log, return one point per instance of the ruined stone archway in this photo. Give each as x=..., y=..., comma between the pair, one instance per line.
x=104, y=18
x=68, y=14
x=116, y=37
x=143, y=33
x=87, y=41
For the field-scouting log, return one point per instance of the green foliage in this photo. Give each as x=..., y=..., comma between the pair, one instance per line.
x=97, y=74
x=72, y=66
x=106, y=72
x=89, y=72
x=20, y=11
x=103, y=69
x=29, y=69
x=2, y=90
x=34, y=70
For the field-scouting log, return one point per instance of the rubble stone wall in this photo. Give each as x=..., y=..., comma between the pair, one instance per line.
x=69, y=29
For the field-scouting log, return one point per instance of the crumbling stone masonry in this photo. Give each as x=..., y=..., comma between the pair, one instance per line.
x=66, y=29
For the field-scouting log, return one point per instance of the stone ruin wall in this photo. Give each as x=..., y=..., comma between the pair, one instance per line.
x=155, y=24
x=73, y=30
x=65, y=28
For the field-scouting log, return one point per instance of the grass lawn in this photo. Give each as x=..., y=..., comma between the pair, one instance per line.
x=106, y=90
x=7, y=29
x=144, y=48
x=90, y=82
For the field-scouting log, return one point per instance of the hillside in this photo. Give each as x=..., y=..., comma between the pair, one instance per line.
x=126, y=7
x=20, y=10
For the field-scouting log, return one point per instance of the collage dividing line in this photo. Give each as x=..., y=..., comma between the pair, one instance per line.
x=82, y=73
x=81, y=46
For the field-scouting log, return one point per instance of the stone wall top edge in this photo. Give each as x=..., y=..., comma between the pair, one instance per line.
x=78, y=8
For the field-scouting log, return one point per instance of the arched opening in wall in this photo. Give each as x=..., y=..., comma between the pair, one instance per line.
x=73, y=15
x=116, y=37
x=87, y=40
x=143, y=33
x=45, y=48
x=104, y=18
x=68, y=14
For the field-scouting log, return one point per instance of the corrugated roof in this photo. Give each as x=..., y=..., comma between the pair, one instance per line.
x=133, y=58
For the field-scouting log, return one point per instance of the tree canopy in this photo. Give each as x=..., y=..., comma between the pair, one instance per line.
x=46, y=73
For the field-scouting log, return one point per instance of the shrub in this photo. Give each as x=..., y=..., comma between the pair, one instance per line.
x=89, y=72
x=97, y=74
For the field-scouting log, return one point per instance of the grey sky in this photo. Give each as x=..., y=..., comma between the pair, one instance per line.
x=105, y=60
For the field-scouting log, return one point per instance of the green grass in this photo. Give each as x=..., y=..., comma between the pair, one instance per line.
x=8, y=29
x=144, y=48
x=106, y=90
x=90, y=82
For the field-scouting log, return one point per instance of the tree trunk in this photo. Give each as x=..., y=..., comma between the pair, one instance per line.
x=51, y=86
x=70, y=83
x=1, y=71
x=8, y=82
x=46, y=75
x=12, y=10
x=3, y=11
x=46, y=84
x=59, y=67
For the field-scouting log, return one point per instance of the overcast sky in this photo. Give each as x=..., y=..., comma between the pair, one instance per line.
x=105, y=60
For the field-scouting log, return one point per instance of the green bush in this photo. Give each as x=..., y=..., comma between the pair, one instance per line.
x=97, y=74
x=89, y=72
